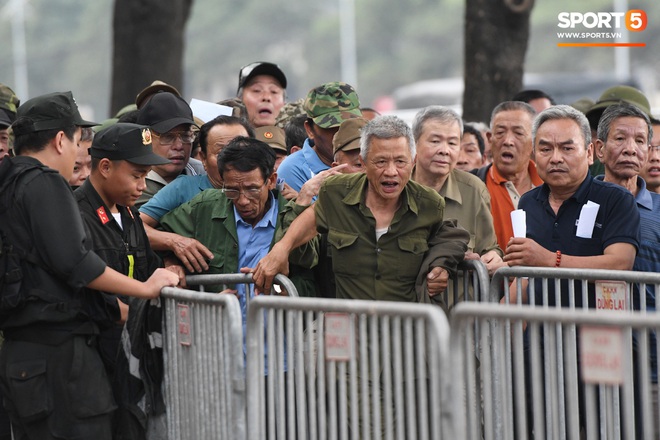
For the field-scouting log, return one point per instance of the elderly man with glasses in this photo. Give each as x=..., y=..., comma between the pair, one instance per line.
x=238, y=223
x=171, y=122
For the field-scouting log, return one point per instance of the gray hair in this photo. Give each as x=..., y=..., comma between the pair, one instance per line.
x=509, y=106
x=385, y=127
x=438, y=113
x=621, y=110
x=563, y=112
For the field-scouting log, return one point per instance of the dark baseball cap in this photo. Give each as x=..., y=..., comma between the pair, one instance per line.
x=164, y=111
x=49, y=112
x=154, y=87
x=260, y=68
x=126, y=141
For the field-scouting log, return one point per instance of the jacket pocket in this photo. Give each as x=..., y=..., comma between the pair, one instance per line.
x=28, y=386
x=413, y=250
x=344, y=256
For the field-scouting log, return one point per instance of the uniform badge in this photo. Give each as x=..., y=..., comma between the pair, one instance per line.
x=268, y=135
x=146, y=136
x=102, y=215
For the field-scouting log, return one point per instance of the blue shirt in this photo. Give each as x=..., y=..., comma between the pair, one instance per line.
x=253, y=245
x=176, y=193
x=301, y=166
x=648, y=256
x=617, y=221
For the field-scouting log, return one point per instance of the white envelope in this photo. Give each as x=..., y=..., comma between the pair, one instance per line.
x=519, y=222
x=587, y=220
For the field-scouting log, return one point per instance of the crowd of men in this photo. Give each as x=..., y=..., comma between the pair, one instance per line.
x=350, y=204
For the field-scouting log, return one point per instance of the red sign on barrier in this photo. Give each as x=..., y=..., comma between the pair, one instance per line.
x=611, y=295
x=338, y=337
x=601, y=355
x=183, y=324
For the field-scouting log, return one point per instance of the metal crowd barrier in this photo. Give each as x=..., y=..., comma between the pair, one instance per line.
x=570, y=374
x=347, y=369
x=227, y=279
x=471, y=283
x=577, y=285
x=204, y=368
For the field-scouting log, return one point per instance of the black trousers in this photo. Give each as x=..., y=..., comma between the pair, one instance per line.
x=56, y=391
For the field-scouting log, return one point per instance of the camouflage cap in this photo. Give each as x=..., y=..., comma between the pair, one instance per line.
x=9, y=102
x=238, y=108
x=290, y=110
x=331, y=104
x=348, y=136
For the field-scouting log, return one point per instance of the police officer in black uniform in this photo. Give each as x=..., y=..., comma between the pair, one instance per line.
x=51, y=373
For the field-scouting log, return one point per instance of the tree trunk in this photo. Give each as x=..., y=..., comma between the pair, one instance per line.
x=496, y=34
x=148, y=45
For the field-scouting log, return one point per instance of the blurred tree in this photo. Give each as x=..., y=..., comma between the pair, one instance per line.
x=496, y=35
x=148, y=44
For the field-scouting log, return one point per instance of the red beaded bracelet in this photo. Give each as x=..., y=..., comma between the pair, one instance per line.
x=558, y=262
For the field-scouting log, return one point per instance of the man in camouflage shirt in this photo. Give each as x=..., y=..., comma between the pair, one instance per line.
x=327, y=106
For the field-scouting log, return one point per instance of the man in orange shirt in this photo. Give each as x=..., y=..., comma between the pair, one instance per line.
x=513, y=171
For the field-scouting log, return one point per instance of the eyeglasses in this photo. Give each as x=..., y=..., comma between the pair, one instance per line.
x=250, y=193
x=170, y=138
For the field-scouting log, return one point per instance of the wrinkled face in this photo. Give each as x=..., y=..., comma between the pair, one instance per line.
x=511, y=141
x=388, y=166
x=438, y=147
x=4, y=143
x=175, y=145
x=263, y=97
x=218, y=137
x=83, y=165
x=562, y=160
x=470, y=157
x=351, y=158
x=69, y=153
x=126, y=182
x=626, y=147
x=651, y=171
x=252, y=201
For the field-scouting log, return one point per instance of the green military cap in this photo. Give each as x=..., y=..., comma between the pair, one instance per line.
x=273, y=136
x=49, y=112
x=614, y=95
x=348, y=136
x=331, y=104
x=126, y=141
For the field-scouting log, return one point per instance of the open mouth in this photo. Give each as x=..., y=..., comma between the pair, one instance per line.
x=265, y=112
x=390, y=186
x=654, y=171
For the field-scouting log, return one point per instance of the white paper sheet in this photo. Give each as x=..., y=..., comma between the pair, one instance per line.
x=206, y=110
x=587, y=220
x=519, y=221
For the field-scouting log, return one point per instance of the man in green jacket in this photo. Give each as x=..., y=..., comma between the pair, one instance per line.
x=238, y=222
x=387, y=234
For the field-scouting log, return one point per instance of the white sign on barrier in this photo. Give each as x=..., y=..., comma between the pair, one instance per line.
x=338, y=337
x=183, y=324
x=611, y=295
x=601, y=355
